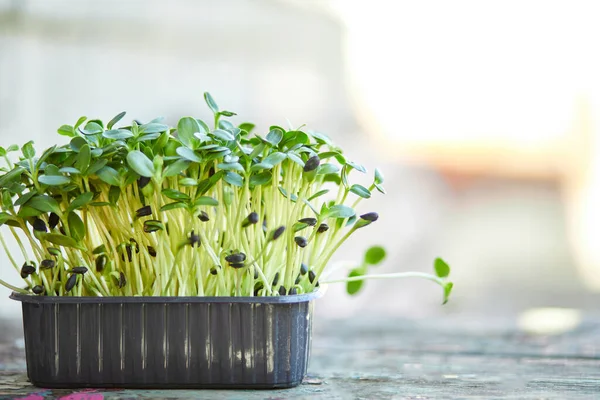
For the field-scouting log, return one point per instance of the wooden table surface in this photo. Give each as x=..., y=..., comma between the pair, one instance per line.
x=450, y=357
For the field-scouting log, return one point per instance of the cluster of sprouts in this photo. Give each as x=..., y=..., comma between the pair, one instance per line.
x=196, y=210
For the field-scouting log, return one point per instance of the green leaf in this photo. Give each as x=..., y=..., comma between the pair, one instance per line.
x=91, y=128
x=12, y=147
x=340, y=211
x=223, y=134
x=65, y=170
x=337, y=155
x=44, y=203
x=211, y=103
x=188, y=154
x=58, y=239
x=81, y=201
x=227, y=113
x=96, y=166
x=259, y=166
x=186, y=127
x=321, y=138
x=176, y=168
x=274, y=158
x=327, y=168
x=233, y=179
x=153, y=127
x=319, y=193
x=188, y=182
x=441, y=268
x=76, y=226
x=26, y=212
x=116, y=119
x=140, y=163
x=261, y=179
x=44, y=156
x=206, y=201
x=66, y=130
x=172, y=206
x=117, y=134
x=80, y=121
x=11, y=176
x=374, y=255
x=274, y=136
x=231, y=167
x=76, y=143
x=83, y=158
x=28, y=150
x=447, y=290
x=378, y=176
x=356, y=166
x=354, y=287
x=109, y=175
x=295, y=158
x=54, y=180
x=25, y=198
x=246, y=126
x=175, y=195
x=361, y=191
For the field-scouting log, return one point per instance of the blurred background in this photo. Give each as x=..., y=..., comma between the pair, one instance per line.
x=483, y=117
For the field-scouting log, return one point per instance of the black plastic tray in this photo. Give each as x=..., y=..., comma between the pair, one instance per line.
x=167, y=342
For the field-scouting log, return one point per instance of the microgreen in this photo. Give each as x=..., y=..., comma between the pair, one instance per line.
x=146, y=209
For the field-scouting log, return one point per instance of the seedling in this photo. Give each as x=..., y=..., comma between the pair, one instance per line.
x=149, y=210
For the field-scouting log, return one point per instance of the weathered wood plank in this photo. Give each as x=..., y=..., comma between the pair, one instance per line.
x=381, y=358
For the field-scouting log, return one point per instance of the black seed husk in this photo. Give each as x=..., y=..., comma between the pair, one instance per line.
x=282, y=291
x=142, y=182
x=152, y=251
x=53, y=220
x=276, y=279
x=27, y=270
x=47, y=264
x=122, y=280
x=203, y=216
x=301, y=241
x=312, y=164
x=39, y=225
x=237, y=265
x=235, y=258
x=62, y=230
x=311, y=276
x=323, y=228
x=251, y=219
x=24, y=275
x=211, y=171
x=71, y=282
x=293, y=291
x=308, y=221
x=194, y=240
x=298, y=279
x=372, y=216
x=278, y=232
x=303, y=269
x=79, y=270
x=255, y=273
x=100, y=263
x=144, y=211
x=37, y=289
x=214, y=271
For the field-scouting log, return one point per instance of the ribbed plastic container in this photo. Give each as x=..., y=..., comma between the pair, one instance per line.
x=167, y=342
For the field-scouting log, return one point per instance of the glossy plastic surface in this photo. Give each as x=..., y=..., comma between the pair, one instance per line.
x=167, y=342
